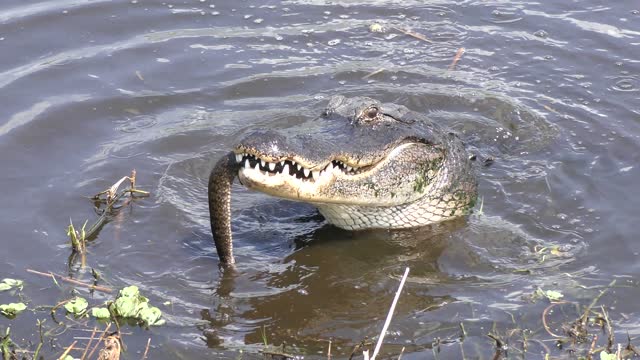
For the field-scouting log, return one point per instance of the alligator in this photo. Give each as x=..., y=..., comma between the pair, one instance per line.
x=364, y=164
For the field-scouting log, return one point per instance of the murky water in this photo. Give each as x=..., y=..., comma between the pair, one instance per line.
x=91, y=89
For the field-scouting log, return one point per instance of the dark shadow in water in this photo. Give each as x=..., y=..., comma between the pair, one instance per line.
x=334, y=279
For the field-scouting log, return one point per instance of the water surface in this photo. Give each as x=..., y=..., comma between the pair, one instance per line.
x=550, y=90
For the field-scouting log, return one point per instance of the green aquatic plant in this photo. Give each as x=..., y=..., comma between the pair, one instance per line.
x=8, y=284
x=12, y=309
x=77, y=306
x=131, y=304
x=100, y=313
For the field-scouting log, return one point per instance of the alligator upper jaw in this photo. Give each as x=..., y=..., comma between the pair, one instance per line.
x=296, y=168
x=293, y=178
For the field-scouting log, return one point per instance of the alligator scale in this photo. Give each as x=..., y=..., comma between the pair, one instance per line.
x=364, y=165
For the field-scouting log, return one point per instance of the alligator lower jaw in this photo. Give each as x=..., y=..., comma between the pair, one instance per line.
x=287, y=186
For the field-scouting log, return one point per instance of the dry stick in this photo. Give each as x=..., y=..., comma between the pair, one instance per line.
x=376, y=72
x=112, y=198
x=390, y=315
x=413, y=34
x=592, y=348
x=329, y=351
x=457, y=58
x=69, y=280
x=66, y=352
x=89, y=343
x=619, y=352
x=146, y=350
x=402, y=352
x=630, y=347
x=102, y=336
x=585, y=316
x=610, y=338
x=544, y=318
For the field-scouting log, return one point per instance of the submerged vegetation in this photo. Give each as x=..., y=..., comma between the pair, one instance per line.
x=129, y=305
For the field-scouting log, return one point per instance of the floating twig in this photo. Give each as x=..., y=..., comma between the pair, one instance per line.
x=66, y=352
x=86, y=348
x=456, y=58
x=376, y=72
x=413, y=34
x=102, y=336
x=146, y=350
x=402, y=352
x=72, y=281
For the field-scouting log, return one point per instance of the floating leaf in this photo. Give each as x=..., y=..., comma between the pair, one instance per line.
x=77, y=306
x=606, y=356
x=126, y=307
x=8, y=284
x=130, y=304
x=100, y=313
x=12, y=309
x=553, y=295
x=151, y=315
x=130, y=291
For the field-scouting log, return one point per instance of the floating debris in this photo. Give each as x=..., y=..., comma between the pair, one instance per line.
x=413, y=34
x=459, y=54
x=377, y=28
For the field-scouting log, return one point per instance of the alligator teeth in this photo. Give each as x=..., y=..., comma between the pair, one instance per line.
x=282, y=162
x=263, y=163
x=285, y=169
x=315, y=175
x=247, y=165
x=272, y=166
x=349, y=168
x=298, y=166
x=306, y=172
x=239, y=158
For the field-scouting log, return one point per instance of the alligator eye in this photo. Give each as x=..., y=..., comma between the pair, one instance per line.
x=372, y=112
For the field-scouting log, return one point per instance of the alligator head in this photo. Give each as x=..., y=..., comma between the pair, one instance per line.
x=364, y=164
